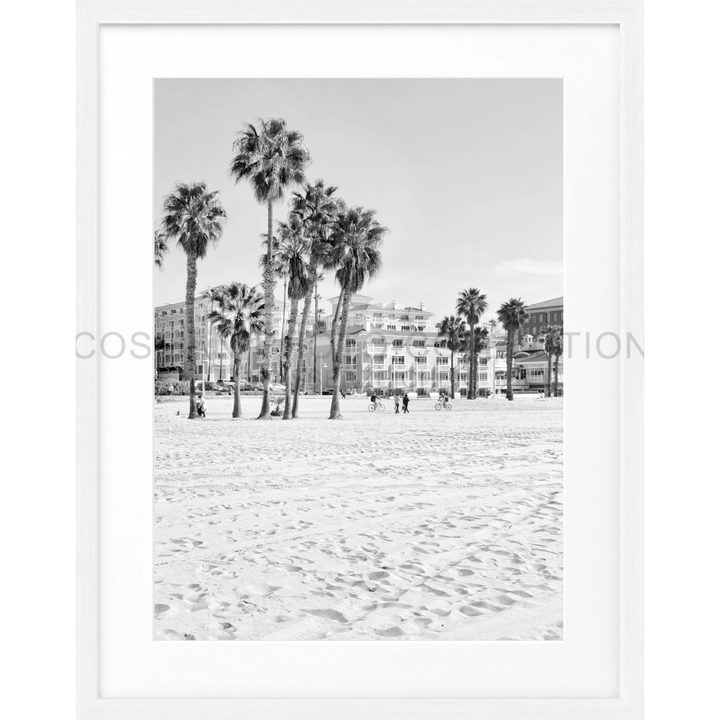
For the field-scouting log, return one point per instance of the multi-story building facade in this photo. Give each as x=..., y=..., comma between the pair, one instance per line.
x=214, y=359
x=392, y=347
x=548, y=312
x=388, y=347
x=531, y=357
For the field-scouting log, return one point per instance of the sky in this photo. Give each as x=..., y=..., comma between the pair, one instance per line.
x=465, y=173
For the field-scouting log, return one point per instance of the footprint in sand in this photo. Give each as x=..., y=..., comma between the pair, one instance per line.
x=328, y=613
x=390, y=632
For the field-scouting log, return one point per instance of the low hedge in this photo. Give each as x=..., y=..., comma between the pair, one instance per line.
x=172, y=387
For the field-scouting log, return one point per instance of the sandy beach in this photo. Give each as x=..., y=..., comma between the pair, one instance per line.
x=427, y=526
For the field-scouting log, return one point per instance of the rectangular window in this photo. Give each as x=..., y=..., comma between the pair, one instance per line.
x=419, y=343
x=405, y=327
x=349, y=359
x=421, y=360
x=442, y=361
x=398, y=343
x=391, y=327
x=398, y=360
x=350, y=376
x=482, y=377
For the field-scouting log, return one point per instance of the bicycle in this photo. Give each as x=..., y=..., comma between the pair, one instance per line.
x=443, y=405
x=377, y=405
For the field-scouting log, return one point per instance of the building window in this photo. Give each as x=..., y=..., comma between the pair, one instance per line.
x=419, y=343
x=391, y=327
x=397, y=360
x=482, y=377
x=421, y=360
x=442, y=361
x=397, y=343
x=350, y=376
x=405, y=327
x=349, y=359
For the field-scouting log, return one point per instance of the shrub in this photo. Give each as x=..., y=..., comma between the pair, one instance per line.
x=164, y=387
x=172, y=387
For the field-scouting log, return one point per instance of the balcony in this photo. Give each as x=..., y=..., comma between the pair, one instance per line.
x=379, y=366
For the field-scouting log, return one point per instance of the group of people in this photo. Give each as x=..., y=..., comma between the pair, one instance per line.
x=405, y=402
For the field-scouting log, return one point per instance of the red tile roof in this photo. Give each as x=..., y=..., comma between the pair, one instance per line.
x=555, y=302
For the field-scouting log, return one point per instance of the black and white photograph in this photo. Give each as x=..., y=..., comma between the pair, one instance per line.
x=358, y=359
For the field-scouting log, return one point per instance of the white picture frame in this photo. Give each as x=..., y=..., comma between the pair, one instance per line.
x=627, y=15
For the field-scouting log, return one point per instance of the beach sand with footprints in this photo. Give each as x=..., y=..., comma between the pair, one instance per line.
x=428, y=526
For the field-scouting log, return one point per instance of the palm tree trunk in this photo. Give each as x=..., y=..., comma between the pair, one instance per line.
x=283, y=370
x=509, y=361
x=549, y=373
x=237, y=411
x=190, y=286
x=452, y=374
x=317, y=319
x=471, y=384
x=338, y=353
x=555, y=375
x=334, y=327
x=269, y=298
x=301, y=348
x=289, y=349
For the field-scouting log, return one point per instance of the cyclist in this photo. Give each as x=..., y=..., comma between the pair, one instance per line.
x=373, y=400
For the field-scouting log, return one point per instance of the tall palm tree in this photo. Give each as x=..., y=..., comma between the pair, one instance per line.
x=238, y=316
x=194, y=217
x=356, y=241
x=452, y=328
x=293, y=254
x=549, y=335
x=472, y=305
x=272, y=159
x=512, y=314
x=318, y=208
x=161, y=248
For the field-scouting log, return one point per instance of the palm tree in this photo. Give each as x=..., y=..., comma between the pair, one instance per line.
x=356, y=240
x=549, y=334
x=194, y=217
x=452, y=328
x=472, y=305
x=161, y=248
x=512, y=314
x=238, y=317
x=318, y=208
x=272, y=159
x=293, y=254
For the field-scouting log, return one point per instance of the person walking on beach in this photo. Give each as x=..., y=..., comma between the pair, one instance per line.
x=397, y=404
x=201, y=406
x=406, y=402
